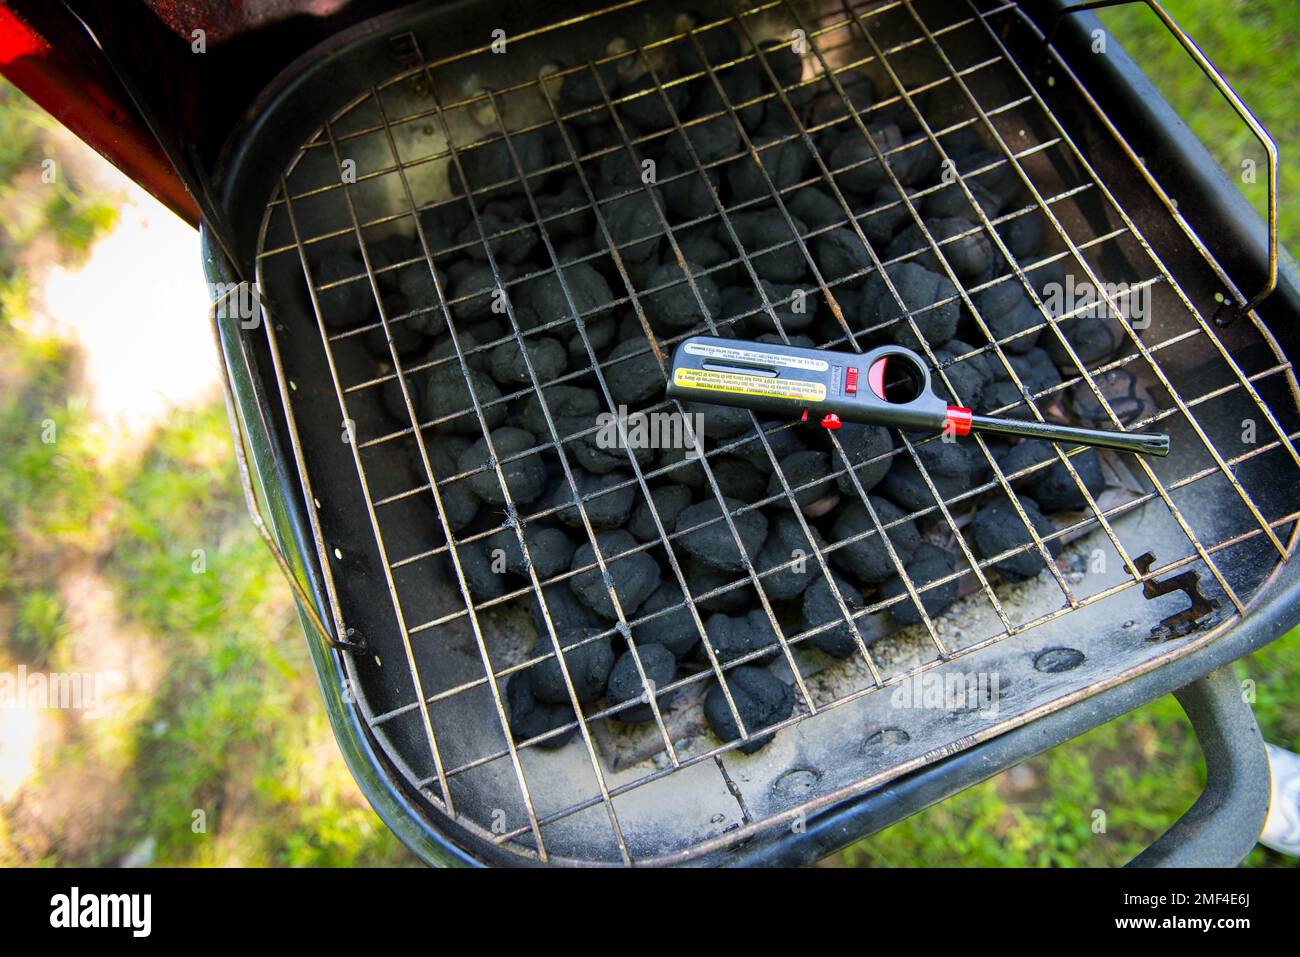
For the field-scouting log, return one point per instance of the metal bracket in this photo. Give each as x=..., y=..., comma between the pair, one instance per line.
x=1189, y=583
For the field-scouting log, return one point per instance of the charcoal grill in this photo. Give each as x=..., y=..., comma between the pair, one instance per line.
x=1178, y=568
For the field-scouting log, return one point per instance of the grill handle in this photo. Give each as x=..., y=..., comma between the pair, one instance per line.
x=1228, y=311
x=1225, y=822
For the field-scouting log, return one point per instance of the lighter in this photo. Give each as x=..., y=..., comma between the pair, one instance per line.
x=885, y=386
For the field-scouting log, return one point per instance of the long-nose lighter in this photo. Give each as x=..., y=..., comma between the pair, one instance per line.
x=886, y=386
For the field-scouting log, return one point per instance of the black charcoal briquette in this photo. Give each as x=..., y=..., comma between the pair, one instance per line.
x=920, y=289
x=867, y=448
x=951, y=467
x=632, y=372
x=634, y=577
x=928, y=564
x=676, y=306
x=448, y=394
x=524, y=475
x=820, y=608
x=530, y=718
x=970, y=255
x=1054, y=488
x=840, y=254
x=669, y=500
x=733, y=637
x=563, y=401
x=675, y=629
x=347, y=304
x=607, y=499
x=714, y=544
x=738, y=479
x=764, y=230
x=548, y=358
x=809, y=468
x=867, y=559
x=588, y=663
x=1007, y=309
x=787, y=543
x=541, y=299
x=996, y=527
x=625, y=682
x=761, y=700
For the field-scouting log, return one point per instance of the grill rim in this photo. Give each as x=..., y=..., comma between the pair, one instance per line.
x=236, y=340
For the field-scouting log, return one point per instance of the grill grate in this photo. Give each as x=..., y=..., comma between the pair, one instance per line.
x=962, y=54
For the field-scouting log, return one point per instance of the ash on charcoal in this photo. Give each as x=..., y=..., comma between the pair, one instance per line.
x=508, y=237
x=738, y=479
x=970, y=256
x=996, y=527
x=541, y=300
x=548, y=357
x=1053, y=488
x=605, y=509
x=674, y=630
x=765, y=229
x=953, y=467
x=703, y=578
x=589, y=665
x=1007, y=309
x=530, y=717
x=1094, y=339
x=821, y=608
x=669, y=500
x=720, y=421
x=788, y=543
x=862, y=444
x=676, y=306
x=761, y=700
x=866, y=558
x=563, y=401
x=448, y=393
x=734, y=637
x=625, y=682
x=632, y=372
x=634, y=577
x=969, y=377
x=714, y=544
x=1128, y=398
x=800, y=469
x=839, y=254
x=920, y=289
x=928, y=564
x=524, y=476
x=688, y=193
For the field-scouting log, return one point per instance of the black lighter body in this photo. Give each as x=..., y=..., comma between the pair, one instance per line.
x=889, y=385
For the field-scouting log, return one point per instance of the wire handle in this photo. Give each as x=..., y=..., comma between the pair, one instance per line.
x=1242, y=110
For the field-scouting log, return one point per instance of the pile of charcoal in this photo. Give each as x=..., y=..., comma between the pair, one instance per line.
x=760, y=272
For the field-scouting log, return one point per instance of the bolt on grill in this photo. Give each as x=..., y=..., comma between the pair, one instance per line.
x=430, y=678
